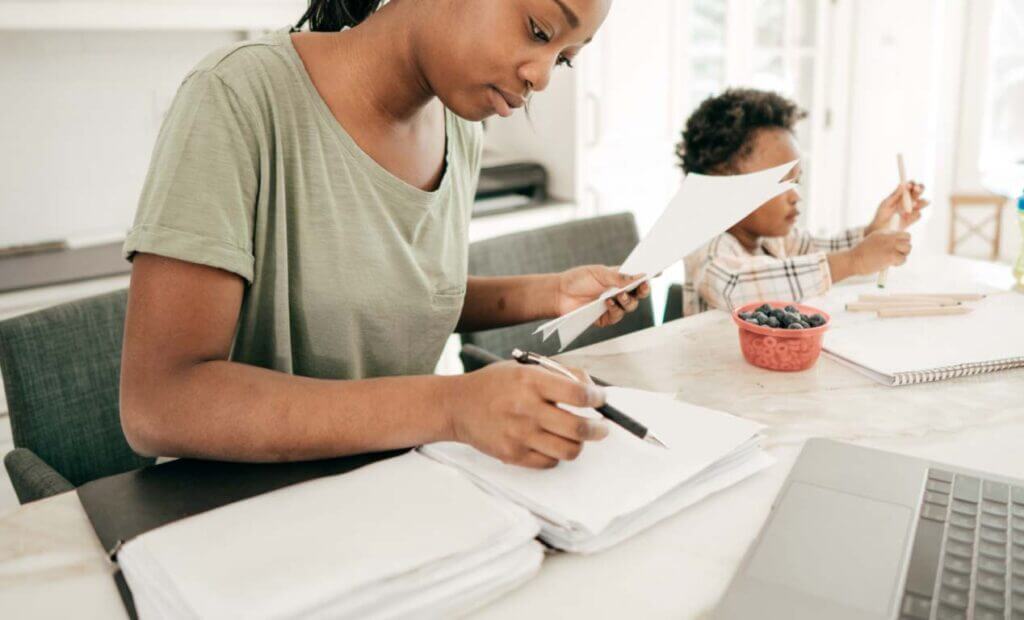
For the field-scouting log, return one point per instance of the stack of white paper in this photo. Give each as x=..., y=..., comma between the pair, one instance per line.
x=622, y=485
x=400, y=538
x=703, y=207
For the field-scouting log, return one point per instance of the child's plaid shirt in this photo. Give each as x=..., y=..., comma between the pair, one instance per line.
x=723, y=274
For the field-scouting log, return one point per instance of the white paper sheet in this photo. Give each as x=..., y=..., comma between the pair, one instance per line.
x=620, y=474
x=703, y=207
x=389, y=533
x=746, y=463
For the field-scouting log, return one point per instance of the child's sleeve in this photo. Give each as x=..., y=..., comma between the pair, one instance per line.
x=800, y=242
x=729, y=277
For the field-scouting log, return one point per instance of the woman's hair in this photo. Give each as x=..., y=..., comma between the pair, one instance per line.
x=335, y=15
x=720, y=132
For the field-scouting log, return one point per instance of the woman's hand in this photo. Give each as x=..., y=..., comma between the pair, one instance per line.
x=509, y=411
x=582, y=285
x=893, y=204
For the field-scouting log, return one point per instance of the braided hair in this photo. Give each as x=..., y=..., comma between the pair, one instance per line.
x=336, y=15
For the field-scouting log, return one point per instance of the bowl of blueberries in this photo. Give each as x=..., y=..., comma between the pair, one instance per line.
x=779, y=335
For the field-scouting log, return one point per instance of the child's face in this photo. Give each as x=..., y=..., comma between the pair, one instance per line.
x=775, y=218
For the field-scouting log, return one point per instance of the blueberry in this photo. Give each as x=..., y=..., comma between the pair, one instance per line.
x=752, y=321
x=792, y=309
x=764, y=308
x=778, y=313
x=794, y=326
x=816, y=320
x=789, y=318
x=805, y=324
x=761, y=317
x=745, y=315
x=773, y=322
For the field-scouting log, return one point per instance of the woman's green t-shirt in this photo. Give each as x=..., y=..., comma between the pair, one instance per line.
x=350, y=272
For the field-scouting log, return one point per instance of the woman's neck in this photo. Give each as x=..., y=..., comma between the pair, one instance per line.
x=374, y=67
x=747, y=239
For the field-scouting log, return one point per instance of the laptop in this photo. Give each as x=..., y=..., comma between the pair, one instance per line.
x=858, y=533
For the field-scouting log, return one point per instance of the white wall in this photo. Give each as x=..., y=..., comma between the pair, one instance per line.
x=894, y=93
x=80, y=115
x=547, y=136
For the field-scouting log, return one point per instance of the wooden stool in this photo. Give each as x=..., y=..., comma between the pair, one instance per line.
x=994, y=202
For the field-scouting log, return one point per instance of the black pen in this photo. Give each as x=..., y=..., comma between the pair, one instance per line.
x=629, y=424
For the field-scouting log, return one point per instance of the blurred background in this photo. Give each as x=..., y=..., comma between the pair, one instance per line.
x=84, y=85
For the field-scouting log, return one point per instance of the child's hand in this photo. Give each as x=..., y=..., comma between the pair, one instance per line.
x=893, y=204
x=880, y=250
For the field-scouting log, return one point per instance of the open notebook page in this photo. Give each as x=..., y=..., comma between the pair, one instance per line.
x=991, y=332
x=620, y=474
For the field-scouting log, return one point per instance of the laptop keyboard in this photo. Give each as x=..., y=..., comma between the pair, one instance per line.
x=967, y=560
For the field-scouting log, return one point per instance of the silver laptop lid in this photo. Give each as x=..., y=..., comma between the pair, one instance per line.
x=836, y=543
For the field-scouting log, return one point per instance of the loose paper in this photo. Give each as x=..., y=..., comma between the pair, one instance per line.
x=703, y=207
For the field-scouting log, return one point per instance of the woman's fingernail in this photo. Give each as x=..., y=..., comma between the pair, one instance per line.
x=597, y=429
x=595, y=395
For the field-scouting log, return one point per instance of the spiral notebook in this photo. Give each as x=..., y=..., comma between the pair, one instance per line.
x=914, y=350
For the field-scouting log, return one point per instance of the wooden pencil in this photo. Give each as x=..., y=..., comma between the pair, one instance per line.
x=909, y=299
x=917, y=296
x=870, y=306
x=907, y=208
x=890, y=313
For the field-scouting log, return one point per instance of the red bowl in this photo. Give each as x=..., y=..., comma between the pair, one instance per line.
x=776, y=348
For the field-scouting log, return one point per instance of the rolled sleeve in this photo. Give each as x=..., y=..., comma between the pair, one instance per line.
x=199, y=200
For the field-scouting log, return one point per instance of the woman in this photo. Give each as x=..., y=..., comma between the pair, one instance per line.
x=299, y=251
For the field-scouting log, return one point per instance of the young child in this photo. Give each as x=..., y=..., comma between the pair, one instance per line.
x=764, y=257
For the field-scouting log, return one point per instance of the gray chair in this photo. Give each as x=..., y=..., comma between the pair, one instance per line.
x=603, y=240
x=674, y=303
x=61, y=368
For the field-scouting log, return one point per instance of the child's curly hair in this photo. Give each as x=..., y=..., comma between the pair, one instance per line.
x=718, y=135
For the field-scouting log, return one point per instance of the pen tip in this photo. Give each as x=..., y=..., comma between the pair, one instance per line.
x=650, y=438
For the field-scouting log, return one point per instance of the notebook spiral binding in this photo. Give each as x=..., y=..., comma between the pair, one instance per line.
x=954, y=372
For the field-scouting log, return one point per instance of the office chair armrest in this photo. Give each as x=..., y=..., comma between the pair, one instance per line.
x=32, y=478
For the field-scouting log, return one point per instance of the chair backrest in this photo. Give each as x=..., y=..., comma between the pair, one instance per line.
x=673, y=303
x=61, y=368
x=605, y=240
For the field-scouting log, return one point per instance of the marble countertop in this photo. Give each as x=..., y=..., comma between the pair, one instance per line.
x=51, y=563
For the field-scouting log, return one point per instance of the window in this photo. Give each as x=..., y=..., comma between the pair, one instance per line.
x=767, y=44
x=1001, y=159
